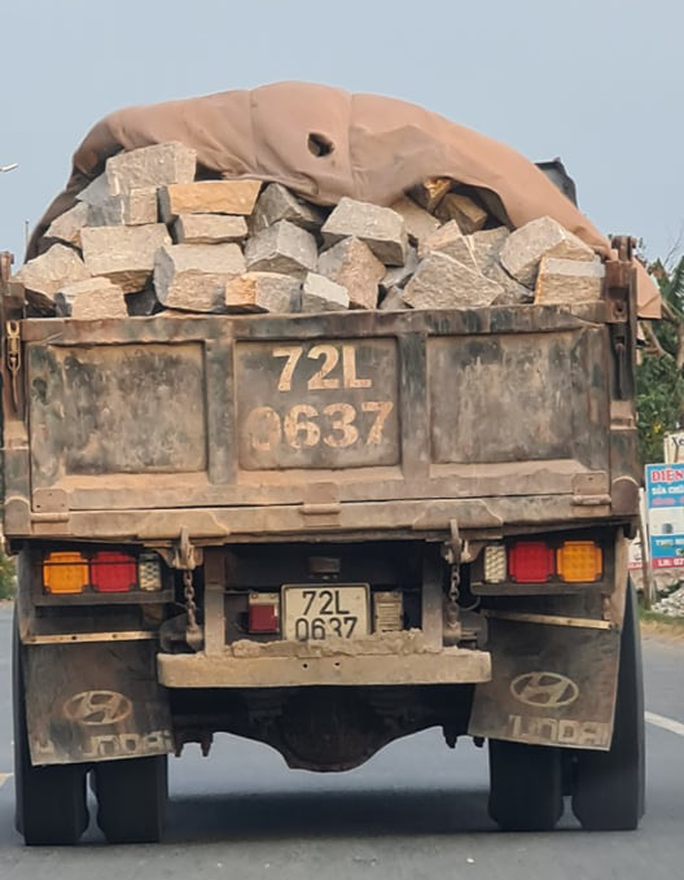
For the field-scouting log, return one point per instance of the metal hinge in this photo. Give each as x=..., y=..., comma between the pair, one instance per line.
x=13, y=336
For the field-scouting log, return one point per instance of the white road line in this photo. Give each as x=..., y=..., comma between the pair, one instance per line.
x=4, y=777
x=666, y=723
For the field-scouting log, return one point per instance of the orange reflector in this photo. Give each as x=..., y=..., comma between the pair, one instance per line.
x=65, y=573
x=579, y=562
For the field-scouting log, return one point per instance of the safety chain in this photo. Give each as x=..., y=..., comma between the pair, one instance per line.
x=193, y=631
x=452, y=615
x=452, y=611
x=190, y=604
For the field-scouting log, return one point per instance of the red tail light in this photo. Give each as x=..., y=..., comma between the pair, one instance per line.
x=264, y=612
x=113, y=572
x=530, y=562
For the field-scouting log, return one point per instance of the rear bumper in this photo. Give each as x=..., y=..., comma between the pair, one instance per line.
x=450, y=666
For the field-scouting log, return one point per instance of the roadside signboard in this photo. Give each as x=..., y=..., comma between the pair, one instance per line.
x=665, y=503
x=673, y=446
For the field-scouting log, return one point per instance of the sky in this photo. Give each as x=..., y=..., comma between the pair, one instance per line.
x=597, y=82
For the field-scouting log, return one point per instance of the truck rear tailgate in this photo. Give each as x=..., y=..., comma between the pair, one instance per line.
x=269, y=425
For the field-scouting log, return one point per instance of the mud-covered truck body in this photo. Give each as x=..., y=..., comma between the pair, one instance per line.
x=306, y=445
x=323, y=532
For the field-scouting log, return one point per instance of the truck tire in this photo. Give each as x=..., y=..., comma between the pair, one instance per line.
x=609, y=786
x=526, y=786
x=50, y=802
x=132, y=795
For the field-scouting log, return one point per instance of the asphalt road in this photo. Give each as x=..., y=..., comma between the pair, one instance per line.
x=416, y=810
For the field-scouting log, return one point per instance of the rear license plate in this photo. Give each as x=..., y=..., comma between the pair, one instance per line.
x=318, y=612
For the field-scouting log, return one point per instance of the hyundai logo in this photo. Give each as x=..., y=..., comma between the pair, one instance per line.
x=547, y=690
x=98, y=707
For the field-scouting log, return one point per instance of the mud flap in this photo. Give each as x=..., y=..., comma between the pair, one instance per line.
x=94, y=702
x=551, y=685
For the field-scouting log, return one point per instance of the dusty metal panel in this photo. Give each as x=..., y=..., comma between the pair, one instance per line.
x=359, y=323
x=551, y=685
x=516, y=398
x=326, y=404
x=90, y=702
x=220, y=408
x=415, y=417
x=116, y=409
x=91, y=461
x=451, y=666
x=414, y=517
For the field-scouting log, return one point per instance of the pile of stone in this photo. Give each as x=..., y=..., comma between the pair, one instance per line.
x=147, y=236
x=672, y=605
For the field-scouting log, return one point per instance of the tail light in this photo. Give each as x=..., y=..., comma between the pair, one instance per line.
x=530, y=562
x=579, y=562
x=149, y=572
x=101, y=571
x=495, y=568
x=264, y=613
x=65, y=572
x=113, y=572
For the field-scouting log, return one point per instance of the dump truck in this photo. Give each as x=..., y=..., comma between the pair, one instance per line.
x=324, y=532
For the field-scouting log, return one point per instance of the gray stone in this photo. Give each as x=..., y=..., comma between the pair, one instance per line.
x=263, y=292
x=277, y=203
x=397, y=276
x=393, y=301
x=568, y=281
x=193, y=277
x=486, y=248
x=443, y=283
x=208, y=197
x=137, y=207
x=124, y=254
x=419, y=224
x=143, y=303
x=43, y=276
x=157, y=165
x=382, y=229
x=67, y=227
x=91, y=300
x=543, y=237
x=209, y=228
x=283, y=248
x=320, y=294
x=96, y=192
x=467, y=213
x=449, y=240
x=352, y=264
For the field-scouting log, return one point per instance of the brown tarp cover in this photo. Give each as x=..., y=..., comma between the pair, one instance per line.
x=380, y=147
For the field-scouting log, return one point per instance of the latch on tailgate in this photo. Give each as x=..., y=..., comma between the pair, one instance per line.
x=13, y=355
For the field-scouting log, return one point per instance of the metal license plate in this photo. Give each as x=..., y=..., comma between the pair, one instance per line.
x=317, y=404
x=314, y=613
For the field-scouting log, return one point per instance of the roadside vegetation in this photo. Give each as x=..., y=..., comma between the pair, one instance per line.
x=655, y=624
x=660, y=374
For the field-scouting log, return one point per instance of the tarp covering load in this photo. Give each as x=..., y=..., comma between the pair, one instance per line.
x=325, y=144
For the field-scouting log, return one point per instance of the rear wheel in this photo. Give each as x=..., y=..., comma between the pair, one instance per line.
x=609, y=786
x=132, y=796
x=526, y=786
x=50, y=802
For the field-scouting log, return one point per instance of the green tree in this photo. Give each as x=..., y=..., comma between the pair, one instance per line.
x=660, y=375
